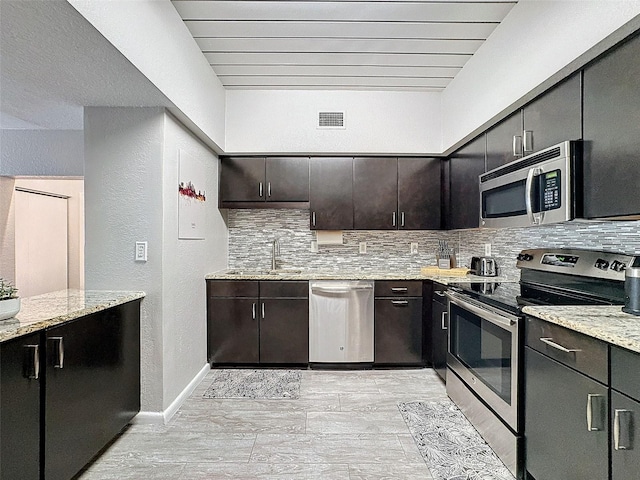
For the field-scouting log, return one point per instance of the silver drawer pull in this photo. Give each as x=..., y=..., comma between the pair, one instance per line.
x=622, y=421
x=58, y=352
x=439, y=293
x=32, y=362
x=313, y=218
x=263, y=310
x=399, y=289
x=393, y=219
x=557, y=346
x=269, y=189
x=402, y=219
x=443, y=320
x=595, y=422
x=253, y=309
x=400, y=302
x=260, y=189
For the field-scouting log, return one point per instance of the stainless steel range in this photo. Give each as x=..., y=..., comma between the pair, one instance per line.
x=486, y=335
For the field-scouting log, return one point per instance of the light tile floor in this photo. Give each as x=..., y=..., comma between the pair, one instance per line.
x=345, y=426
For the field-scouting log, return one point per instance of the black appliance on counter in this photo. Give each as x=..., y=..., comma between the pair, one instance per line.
x=486, y=335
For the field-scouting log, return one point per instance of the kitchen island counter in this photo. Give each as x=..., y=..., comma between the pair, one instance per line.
x=47, y=310
x=608, y=322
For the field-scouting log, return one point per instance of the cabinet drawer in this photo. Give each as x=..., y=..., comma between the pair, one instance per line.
x=581, y=352
x=398, y=288
x=284, y=289
x=625, y=371
x=438, y=294
x=232, y=288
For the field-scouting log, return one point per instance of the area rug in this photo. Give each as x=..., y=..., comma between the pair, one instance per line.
x=450, y=446
x=259, y=384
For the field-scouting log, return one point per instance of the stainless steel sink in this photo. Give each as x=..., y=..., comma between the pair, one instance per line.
x=251, y=273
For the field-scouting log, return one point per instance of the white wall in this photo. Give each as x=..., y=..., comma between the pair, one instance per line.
x=272, y=121
x=131, y=181
x=536, y=39
x=153, y=37
x=42, y=152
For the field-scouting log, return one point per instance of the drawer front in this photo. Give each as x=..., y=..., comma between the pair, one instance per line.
x=284, y=289
x=625, y=372
x=398, y=288
x=581, y=352
x=232, y=288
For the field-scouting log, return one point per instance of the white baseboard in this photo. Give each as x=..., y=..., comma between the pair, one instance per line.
x=162, y=418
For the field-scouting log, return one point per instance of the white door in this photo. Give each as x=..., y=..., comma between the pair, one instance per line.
x=41, y=243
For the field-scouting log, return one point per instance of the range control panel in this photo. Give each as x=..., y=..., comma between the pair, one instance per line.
x=588, y=263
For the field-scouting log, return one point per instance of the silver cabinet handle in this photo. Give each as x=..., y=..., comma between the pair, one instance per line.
x=263, y=310
x=528, y=141
x=517, y=146
x=32, y=362
x=393, y=219
x=400, y=302
x=557, y=346
x=253, y=309
x=443, y=320
x=402, y=219
x=313, y=218
x=399, y=289
x=58, y=349
x=269, y=189
x=260, y=189
x=439, y=293
x=622, y=421
x=595, y=422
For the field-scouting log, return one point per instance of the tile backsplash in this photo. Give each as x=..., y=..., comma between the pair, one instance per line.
x=251, y=233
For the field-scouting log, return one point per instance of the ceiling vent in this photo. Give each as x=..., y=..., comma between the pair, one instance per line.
x=331, y=120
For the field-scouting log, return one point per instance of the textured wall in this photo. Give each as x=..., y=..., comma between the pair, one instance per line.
x=251, y=233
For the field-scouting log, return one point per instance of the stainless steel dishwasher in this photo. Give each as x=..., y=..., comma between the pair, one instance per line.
x=340, y=321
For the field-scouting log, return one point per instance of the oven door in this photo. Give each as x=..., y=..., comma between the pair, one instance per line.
x=483, y=352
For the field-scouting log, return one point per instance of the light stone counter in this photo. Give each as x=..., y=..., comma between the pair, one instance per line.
x=608, y=323
x=291, y=274
x=50, y=309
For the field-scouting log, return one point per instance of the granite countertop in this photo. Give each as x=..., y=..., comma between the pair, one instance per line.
x=608, y=323
x=50, y=309
x=296, y=274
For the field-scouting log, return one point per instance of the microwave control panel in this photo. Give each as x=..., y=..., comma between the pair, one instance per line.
x=550, y=183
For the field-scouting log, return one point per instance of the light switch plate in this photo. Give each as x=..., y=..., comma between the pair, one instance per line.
x=414, y=247
x=141, y=252
x=487, y=249
x=363, y=247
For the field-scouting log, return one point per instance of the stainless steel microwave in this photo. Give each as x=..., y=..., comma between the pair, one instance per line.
x=542, y=188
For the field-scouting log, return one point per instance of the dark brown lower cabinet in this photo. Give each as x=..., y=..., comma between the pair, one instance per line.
x=92, y=391
x=561, y=404
x=439, y=331
x=251, y=322
x=20, y=408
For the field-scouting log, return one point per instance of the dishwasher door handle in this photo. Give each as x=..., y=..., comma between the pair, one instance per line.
x=330, y=289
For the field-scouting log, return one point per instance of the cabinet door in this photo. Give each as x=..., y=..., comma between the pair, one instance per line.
x=439, y=336
x=20, y=409
x=500, y=148
x=555, y=116
x=331, y=193
x=287, y=179
x=242, y=179
x=232, y=327
x=419, y=193
x=398, y=331
x=284, y=330
x=462, y=199
x=92, y=386
x=375, y=193
x=558, y=442
x=611, y=140
x=625, y=418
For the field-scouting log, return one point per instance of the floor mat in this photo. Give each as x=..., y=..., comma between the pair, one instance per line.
x=259, y=384
x=451, y=447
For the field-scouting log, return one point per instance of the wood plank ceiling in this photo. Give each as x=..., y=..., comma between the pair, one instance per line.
x=340, y=44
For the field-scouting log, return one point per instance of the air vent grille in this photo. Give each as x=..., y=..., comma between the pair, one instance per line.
x=331, y=120
x=523, y=163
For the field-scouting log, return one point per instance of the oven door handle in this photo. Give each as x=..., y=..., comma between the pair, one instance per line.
x=498, y=319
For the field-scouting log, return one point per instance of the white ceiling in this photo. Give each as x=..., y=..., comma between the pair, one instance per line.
x=340, y=44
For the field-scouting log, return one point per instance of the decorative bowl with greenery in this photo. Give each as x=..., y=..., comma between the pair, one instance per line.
x=9, y=300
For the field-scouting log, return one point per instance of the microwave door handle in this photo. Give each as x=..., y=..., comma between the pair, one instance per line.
x=535, y=218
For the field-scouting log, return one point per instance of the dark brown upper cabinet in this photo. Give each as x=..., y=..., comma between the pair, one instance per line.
x=419, y=193
x=554, y=117
x=504, y=141
x=259, y=182
x=611, y=140
x=331, y=193
x=462, y=192
x=375, y=193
